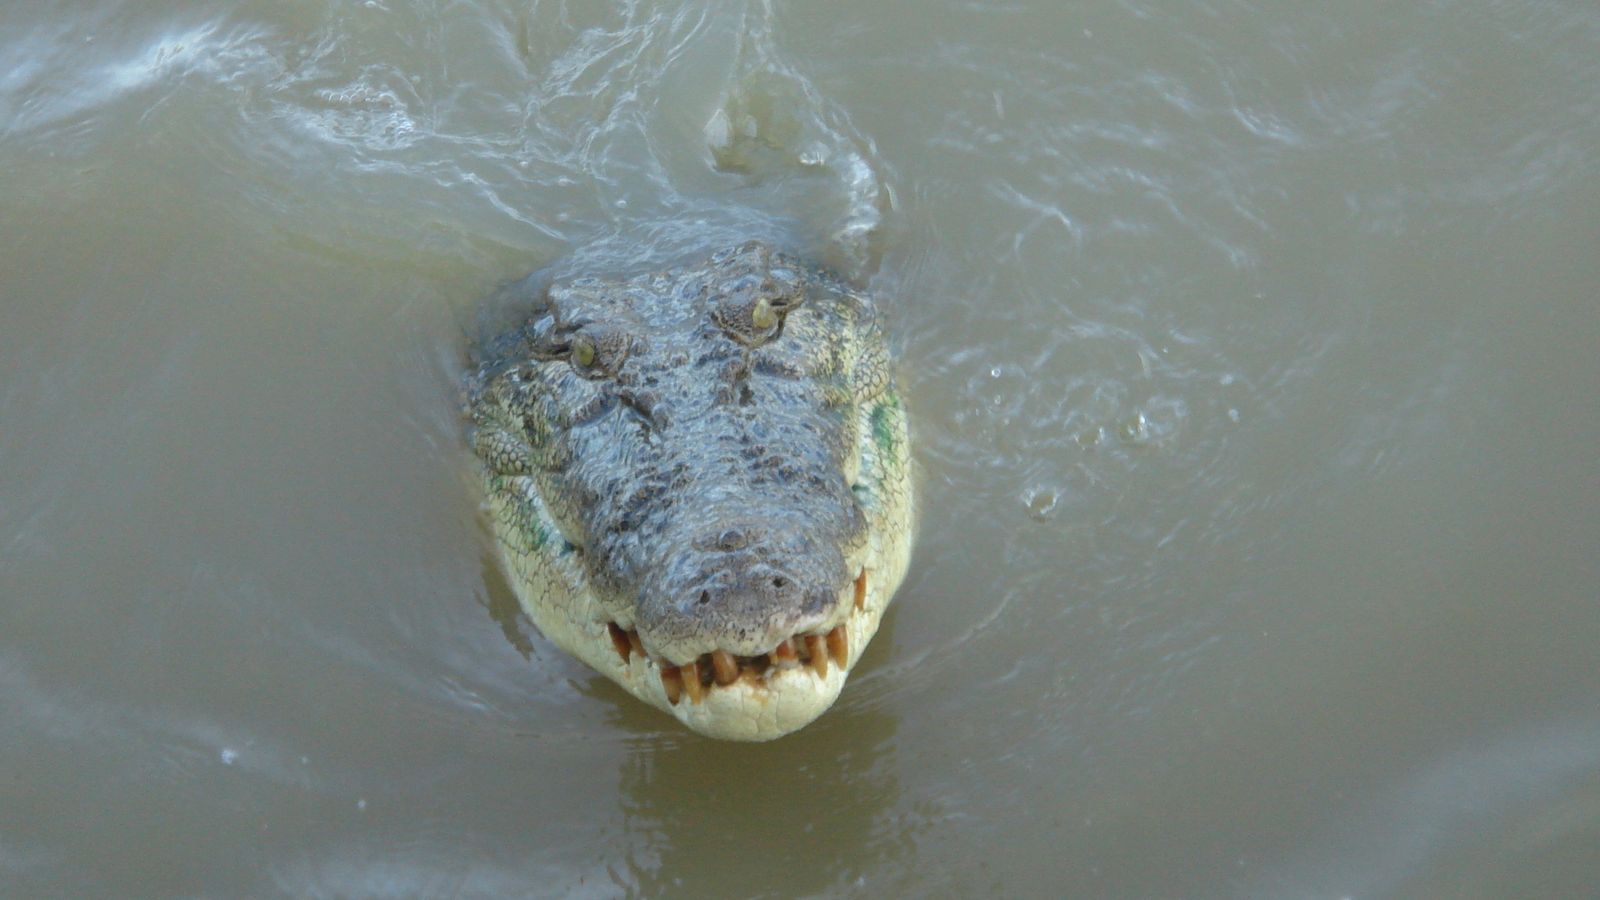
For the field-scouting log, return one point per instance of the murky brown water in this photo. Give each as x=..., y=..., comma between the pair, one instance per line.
x=1252, y=353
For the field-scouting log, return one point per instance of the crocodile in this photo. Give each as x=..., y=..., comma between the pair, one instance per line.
x=699, y=482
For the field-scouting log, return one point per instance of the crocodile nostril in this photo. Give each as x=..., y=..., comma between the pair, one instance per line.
x=780, y=581
x=705, y=597
x=733, y=539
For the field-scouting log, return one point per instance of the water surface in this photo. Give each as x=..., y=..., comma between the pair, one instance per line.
x=1251, y=354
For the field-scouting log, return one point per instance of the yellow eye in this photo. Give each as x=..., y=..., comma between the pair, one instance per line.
x=762, y=315
x=582, y=352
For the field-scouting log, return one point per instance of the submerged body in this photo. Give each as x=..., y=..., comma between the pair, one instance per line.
x=699, y=481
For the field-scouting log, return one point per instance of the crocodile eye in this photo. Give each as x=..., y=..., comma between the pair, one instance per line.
x=597, y=351
x=762, y=315
x=582, y=352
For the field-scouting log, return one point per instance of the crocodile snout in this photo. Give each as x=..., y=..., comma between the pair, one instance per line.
x=742, y=588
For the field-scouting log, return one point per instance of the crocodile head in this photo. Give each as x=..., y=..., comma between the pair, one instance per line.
x=699, y=481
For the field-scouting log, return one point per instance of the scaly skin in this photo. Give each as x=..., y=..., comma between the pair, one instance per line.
x=701, y=475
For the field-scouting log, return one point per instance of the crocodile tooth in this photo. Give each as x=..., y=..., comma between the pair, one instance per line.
x=861, y=590
x=724, y=667
x=619, y=640
x=691, y=682
x=819, y=656
x=672, y=681
x=635, y=643
x=839, y=646
x=784, y=652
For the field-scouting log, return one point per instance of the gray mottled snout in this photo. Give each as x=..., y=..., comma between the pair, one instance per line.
x=742, y=587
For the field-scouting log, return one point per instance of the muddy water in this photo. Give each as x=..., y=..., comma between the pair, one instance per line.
x=1251, y=352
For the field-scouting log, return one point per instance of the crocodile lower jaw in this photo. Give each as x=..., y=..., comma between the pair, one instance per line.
x=767, y=697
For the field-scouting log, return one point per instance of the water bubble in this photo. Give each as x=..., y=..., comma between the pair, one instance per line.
x=1002, y=386
x=229, y=756
x=1135, y=430
x=719, y=131
x=814, y=155
x=1233, y=415
x=1041, y=502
